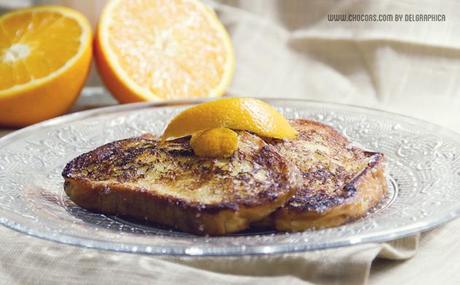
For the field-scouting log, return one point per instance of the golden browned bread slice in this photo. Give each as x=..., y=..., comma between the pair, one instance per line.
x=167, y=184
x=340, y=182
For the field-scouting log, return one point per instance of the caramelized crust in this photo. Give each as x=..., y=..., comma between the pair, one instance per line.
x=340, y=182
x=316, y=180
x=166, y=184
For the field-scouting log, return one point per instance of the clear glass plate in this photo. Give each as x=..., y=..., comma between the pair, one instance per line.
x=423, y=173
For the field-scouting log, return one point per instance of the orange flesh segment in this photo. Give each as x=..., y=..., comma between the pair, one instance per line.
x=33, y=45
x=168, y=47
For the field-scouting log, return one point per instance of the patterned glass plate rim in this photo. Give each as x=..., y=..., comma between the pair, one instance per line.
x=423, y=173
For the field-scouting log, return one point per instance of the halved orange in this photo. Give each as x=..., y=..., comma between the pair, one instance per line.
x=45, y=54
x=163, y=49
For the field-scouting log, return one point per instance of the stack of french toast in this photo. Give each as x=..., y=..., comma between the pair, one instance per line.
x=317, y=179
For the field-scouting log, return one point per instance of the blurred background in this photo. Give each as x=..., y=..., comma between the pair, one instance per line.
x=289, y=49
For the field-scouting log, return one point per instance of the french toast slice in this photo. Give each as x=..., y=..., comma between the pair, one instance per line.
x=340, y=182
x=166, y=183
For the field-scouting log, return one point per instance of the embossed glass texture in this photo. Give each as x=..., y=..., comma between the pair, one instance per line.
x=423, y=163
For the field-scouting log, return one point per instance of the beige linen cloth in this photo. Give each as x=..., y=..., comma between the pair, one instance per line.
x=288, y=49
